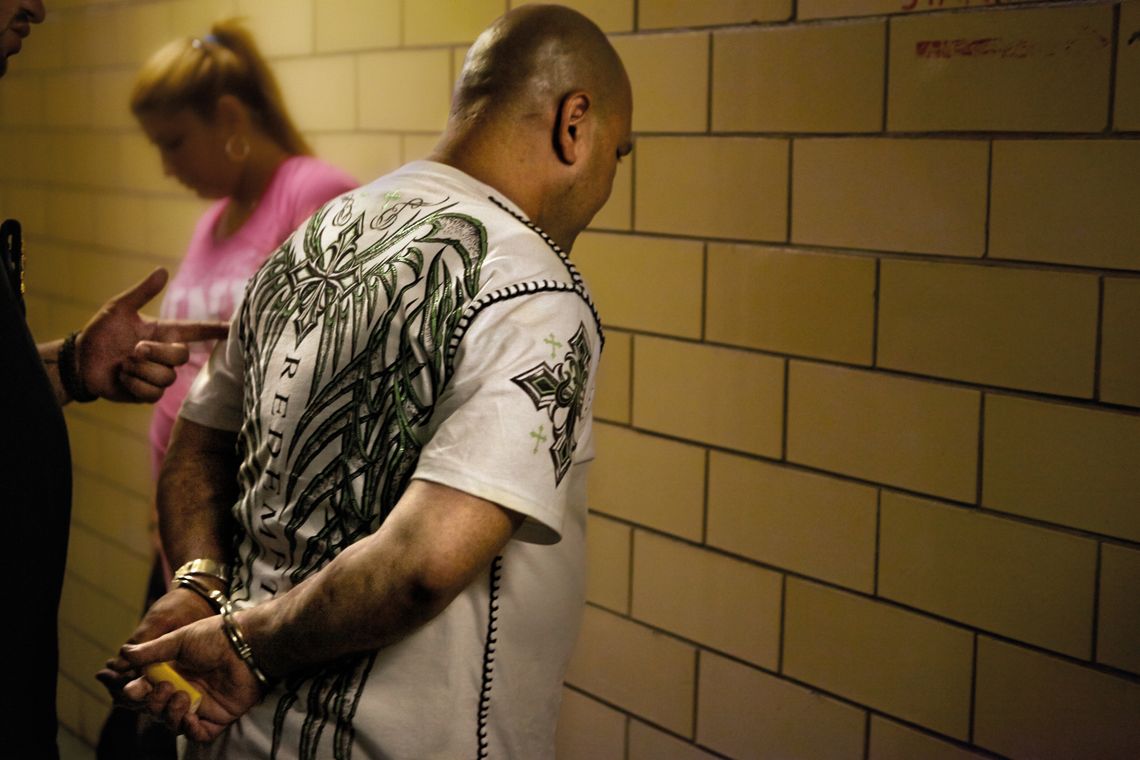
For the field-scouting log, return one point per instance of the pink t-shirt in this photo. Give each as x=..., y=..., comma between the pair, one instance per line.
x=210, y=282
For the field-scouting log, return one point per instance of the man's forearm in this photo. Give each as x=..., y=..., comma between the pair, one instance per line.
x=432, y=546
x=197, y=488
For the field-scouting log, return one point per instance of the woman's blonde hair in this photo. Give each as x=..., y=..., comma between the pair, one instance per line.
x=195, y=71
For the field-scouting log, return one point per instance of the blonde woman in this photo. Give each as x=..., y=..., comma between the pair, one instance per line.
x=212, y=108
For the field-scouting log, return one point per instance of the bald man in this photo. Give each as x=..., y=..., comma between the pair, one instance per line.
x=398, y=566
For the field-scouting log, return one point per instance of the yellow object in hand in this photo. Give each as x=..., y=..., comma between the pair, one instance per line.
x=163, y=671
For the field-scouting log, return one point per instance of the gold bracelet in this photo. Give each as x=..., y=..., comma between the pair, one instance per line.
x=199, y=588
x=205, y=566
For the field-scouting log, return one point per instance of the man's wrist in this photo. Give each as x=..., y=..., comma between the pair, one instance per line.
x=70, y=373
x=236, y=636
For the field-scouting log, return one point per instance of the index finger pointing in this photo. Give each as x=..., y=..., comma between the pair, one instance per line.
x=171, y=331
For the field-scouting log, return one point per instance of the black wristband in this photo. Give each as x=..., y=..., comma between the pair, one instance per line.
x=69, y=375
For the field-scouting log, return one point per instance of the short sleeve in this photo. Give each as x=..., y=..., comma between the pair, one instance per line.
x=513, y=424
x=215, y=398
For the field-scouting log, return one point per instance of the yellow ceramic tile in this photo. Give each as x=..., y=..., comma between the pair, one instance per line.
x=611, y=401
x=114, y=514
x=1066, y=202
x=432, y=22
x=810, y=524
x=609, y=15
x=363, y=155
x=647, y=743
x=169, y=225
x=319, y=92
x=792, y=302
x=670, y=78
x=117, y=222
x=1016, y=328
x=29, y=205
x=357, y=25
x=102, y=618
x=458, y=60
x=95, y=38
x=141, y=167
x=617, y=214
x=111, y=92
x=617, y=268
x=194, y=17
x=39, y=162
x=898, y=662
x=67, y=99
x=122, y=573
x=1021, y=581
x=1032, y=705
x=709, y=394
x=814, y=9
x=1063, y=464
x=90, y=159
x=659, y=14
x=70, y=214
x=725, y=187
x=22, y=101
x=1126, y=113
x=588, y=730
x=415, y=147
x=742, y=709
x=608, y=550
x=79, y=658
x=918, y=435
x=144, y=28
x=646, y=673
x=1119, y=620
x=917, y=196
x=1119, y=360
x=717, y=601
x=799, y=79
x=281, y=27
x=419, y=80
x=1034, y=70
x=48, y=271
x=648, y=480
x=892, y=741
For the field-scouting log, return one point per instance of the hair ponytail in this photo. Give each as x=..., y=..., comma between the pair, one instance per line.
x=194, y=72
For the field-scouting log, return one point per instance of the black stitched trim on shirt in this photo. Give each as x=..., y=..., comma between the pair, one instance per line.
x=489, y=657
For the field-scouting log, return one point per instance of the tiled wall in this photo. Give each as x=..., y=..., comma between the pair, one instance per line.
x=869, y=454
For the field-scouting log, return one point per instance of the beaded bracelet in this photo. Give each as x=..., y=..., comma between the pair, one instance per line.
x=69, y=376
x=237, y=638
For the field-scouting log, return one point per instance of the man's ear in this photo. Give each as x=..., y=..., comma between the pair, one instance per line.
x=571, y=127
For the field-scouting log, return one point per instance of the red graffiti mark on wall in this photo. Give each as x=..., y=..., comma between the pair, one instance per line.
x=910, y=5
x=1087, y=40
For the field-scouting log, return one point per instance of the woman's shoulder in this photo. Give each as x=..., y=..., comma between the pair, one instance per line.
x=309, y=172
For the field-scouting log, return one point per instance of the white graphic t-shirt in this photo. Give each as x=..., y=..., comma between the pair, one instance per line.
x=418, y=327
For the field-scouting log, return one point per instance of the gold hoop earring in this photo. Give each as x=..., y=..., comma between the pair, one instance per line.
x=237, y=151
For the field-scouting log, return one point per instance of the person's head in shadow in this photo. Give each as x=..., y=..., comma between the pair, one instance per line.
x=16, y=19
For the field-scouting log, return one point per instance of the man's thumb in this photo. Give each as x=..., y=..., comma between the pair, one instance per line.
x=146, y=289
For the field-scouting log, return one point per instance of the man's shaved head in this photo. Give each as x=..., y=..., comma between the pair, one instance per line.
x=532, y=56
x=542, y=112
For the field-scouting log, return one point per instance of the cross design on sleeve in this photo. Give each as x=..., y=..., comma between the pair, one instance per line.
x=560, y=391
